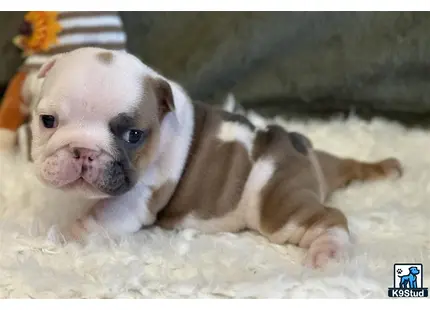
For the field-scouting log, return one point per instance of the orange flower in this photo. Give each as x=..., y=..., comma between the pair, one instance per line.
x=41, y=30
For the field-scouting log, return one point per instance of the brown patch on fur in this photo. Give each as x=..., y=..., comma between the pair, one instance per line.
x=148, y=118
x=292, y=186
x=292, y=195
x=214, y=176
x=273, y=141
x=105, y=57
x=163, y=94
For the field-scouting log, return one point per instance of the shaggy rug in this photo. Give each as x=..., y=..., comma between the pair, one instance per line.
x=388, y=222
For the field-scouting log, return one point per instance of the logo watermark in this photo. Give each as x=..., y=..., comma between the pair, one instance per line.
x=408, y=281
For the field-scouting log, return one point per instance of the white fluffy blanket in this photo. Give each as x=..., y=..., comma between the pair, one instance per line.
x=389, y=221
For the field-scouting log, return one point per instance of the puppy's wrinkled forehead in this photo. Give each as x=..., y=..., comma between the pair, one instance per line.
x=94, y=85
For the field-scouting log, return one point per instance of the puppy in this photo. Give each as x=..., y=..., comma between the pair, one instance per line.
x=108, y=126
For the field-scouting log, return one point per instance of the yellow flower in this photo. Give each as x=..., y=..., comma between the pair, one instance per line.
x=39, y=33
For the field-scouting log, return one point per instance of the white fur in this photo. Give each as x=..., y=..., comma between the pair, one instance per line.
x=316, y=168
x=176, y=134
x=125, y=214
x=31, y=89
x=233, y=131
x=250, y=202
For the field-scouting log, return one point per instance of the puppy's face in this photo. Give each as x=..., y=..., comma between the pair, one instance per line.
x=96, y=126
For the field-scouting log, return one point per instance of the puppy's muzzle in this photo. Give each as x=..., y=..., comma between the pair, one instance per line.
x=97, y=168
x=107, y=176
x=84, y=157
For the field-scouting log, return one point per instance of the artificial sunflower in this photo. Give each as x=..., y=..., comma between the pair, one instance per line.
x=38, y=32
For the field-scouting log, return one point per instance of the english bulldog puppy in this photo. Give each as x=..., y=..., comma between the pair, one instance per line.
x=110, y=127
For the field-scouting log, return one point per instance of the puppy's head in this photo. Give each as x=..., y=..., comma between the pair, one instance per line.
x=96, y=126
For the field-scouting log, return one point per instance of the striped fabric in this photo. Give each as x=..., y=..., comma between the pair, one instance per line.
x=82, y=29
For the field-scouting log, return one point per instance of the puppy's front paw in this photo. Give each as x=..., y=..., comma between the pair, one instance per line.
x=78, y=231
x=82, y=227
x=331, y=245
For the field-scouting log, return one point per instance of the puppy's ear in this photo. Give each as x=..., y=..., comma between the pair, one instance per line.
x=164, y=95
x=47, y=66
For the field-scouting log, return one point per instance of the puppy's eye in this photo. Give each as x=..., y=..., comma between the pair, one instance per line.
x=48, y=121
x=133, y=136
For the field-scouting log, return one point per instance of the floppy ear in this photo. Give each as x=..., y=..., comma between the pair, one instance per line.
x=47, y=66
x=164, y=95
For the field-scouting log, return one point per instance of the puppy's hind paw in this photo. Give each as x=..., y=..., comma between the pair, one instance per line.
x=330, y=246
x=391, y=167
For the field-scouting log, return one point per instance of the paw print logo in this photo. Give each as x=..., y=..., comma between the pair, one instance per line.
x=399, y=271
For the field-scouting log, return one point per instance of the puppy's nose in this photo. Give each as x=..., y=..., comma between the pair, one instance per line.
x=84, y=153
